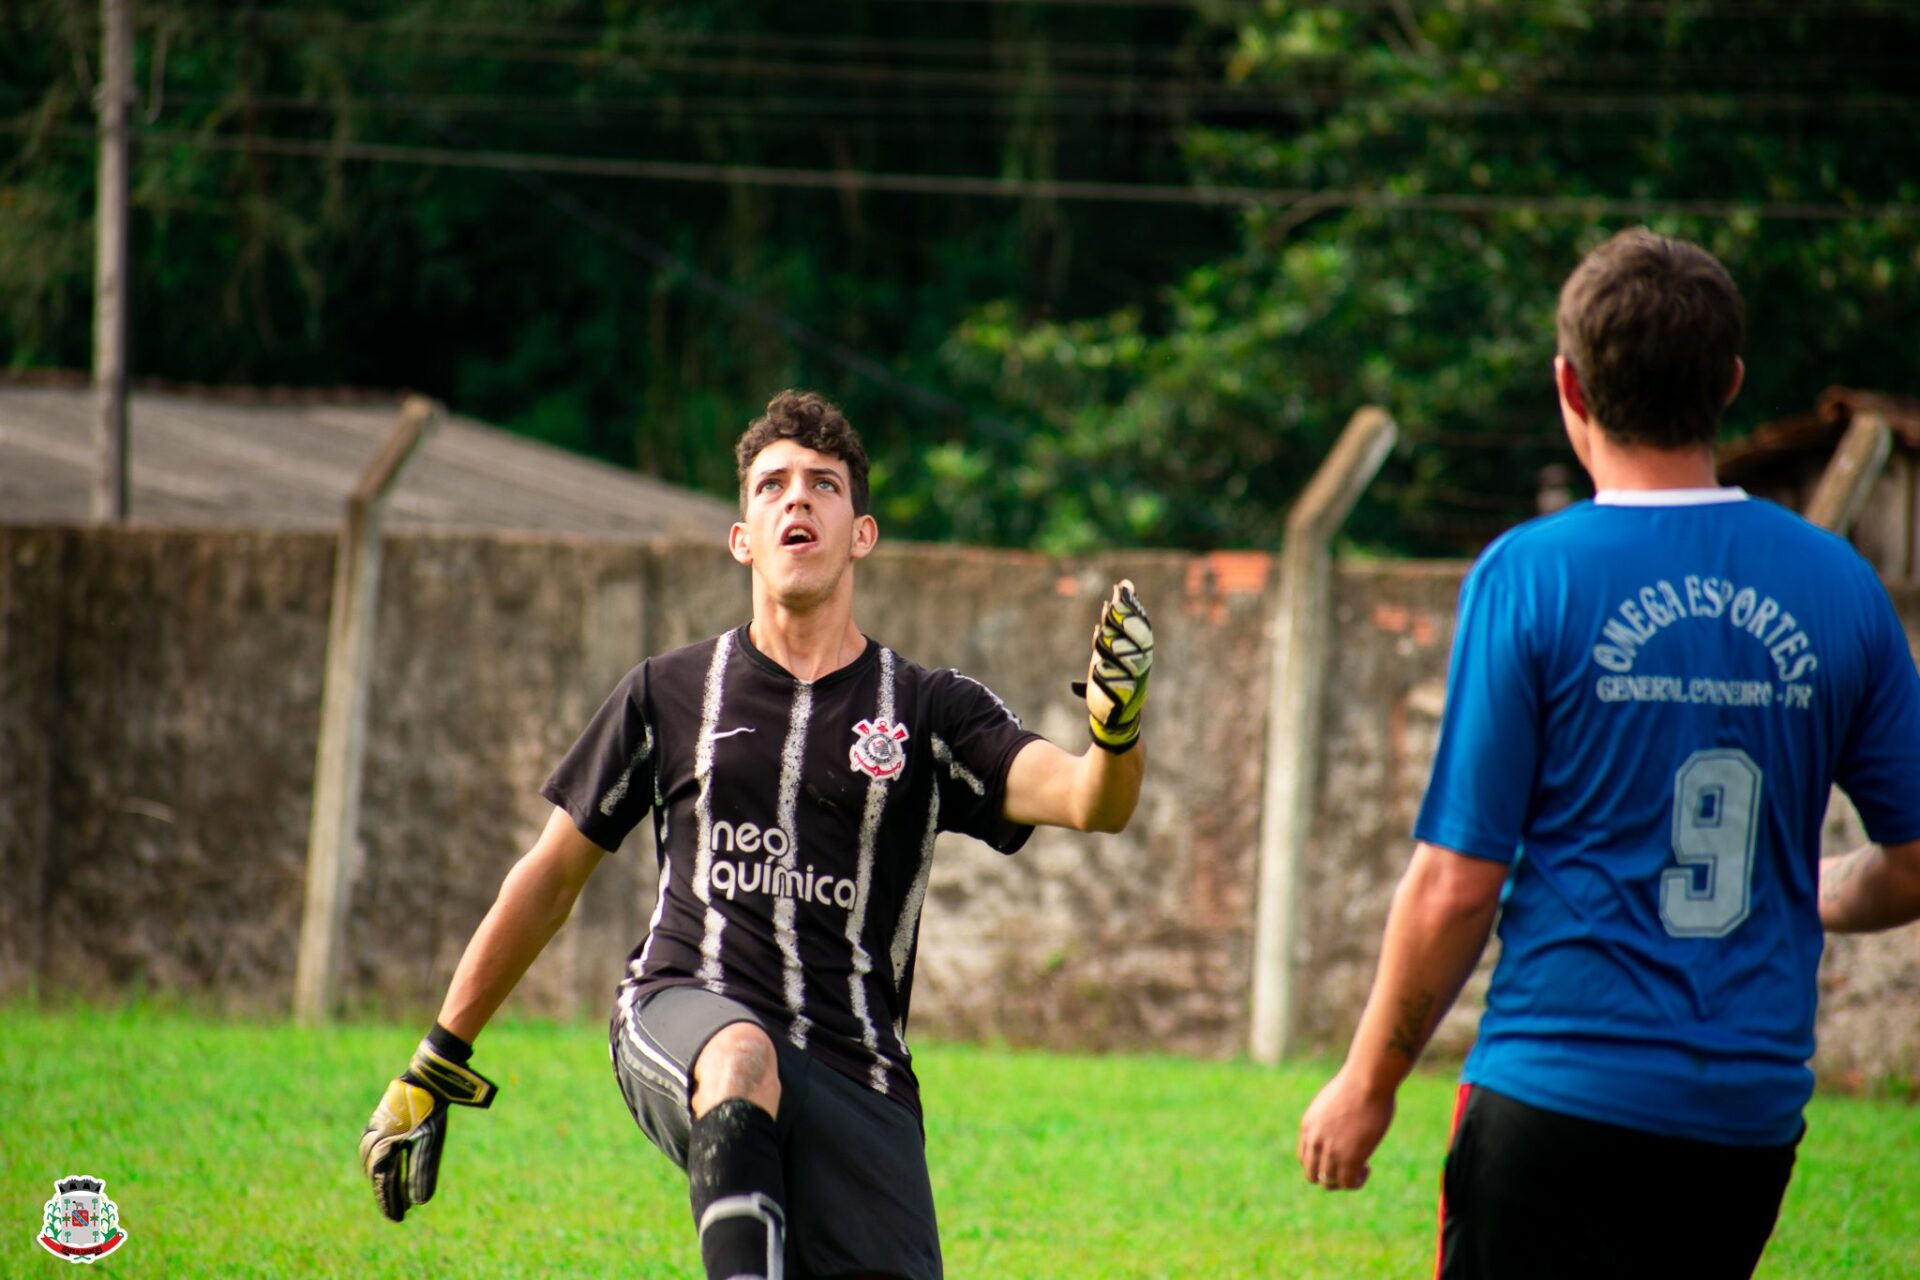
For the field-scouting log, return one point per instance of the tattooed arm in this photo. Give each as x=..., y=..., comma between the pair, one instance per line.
x=1874, y=887
x=1438, y=926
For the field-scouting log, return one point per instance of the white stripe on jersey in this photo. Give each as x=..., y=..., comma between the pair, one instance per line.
x=955, y=671
x=703, y=810
x=944, y=754
x=791, y=753
x=653, y=921
x=660, y=860
x=618, y=792
x=863, y=884
x=664, y=817
x=916, y=897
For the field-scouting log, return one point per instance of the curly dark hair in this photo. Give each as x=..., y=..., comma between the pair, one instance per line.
x=1652, y=326
x=806, y=418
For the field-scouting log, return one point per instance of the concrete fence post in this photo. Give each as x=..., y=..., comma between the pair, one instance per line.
x=1298, y=647
x=334, y=823
x=1851, y=473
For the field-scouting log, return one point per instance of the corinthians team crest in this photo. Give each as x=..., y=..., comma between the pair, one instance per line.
x=878, y=751
x=82, y=1224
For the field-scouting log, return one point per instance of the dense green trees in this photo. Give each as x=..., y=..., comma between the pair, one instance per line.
x=1485, y=146
x=643, y=321
x=312, y=206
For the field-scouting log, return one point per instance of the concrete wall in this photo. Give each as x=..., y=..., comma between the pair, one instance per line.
x=1385, y=688
x=1135, y=940
x=162, y=694
x=1870, y=984
x=159, y=701
x=158, y=729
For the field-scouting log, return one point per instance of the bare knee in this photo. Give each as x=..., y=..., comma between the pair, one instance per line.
x=739, y=1062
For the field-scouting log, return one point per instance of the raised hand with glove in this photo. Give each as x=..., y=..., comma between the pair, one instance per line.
x=400, y=1147
x=1116, y=683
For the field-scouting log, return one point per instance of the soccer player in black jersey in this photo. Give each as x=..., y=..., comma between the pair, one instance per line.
x=796, y=773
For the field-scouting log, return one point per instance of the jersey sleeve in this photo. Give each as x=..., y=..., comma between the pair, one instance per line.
x=1477, y=795
x=973, y=748
x=1880, y=758
x=605, y=781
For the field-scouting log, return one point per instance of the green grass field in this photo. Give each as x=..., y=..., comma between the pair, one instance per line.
x=230, y=1150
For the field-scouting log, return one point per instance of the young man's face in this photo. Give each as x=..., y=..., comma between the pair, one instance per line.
x=799, y=532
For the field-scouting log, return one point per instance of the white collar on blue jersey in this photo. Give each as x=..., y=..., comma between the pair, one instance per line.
x=1668, y=497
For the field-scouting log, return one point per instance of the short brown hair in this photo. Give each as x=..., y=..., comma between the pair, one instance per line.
x=1652, y=327
x=806, y=418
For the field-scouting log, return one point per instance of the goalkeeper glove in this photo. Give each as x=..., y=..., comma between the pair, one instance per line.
x=400, y=1148
x=1116, y=683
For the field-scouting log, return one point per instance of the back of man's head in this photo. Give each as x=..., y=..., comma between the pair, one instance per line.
x=1652, y=326
x=807, y=418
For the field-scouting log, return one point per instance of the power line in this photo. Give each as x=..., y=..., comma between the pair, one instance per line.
x=876, y=60
x=1204, y=196
x=1085, y=135
x=1504, y=442
x=1018, y=188
x=866, y=73
x=1628, y=70
x=1291, y=102
x=607, y=40
x=672, y=266
x=1139, y=143
x=1509, y=504
x=1660, y=9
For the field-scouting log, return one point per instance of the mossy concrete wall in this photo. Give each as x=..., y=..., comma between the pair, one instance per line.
x=159, y=703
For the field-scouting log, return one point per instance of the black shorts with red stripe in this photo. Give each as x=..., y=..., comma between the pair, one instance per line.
x=1532, y=1194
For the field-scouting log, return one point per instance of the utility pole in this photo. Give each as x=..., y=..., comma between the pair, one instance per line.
x=110, y=500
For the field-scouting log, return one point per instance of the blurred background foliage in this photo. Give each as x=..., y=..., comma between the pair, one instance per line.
x=439, y=196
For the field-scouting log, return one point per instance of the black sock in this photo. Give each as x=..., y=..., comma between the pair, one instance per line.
x=739, y=1196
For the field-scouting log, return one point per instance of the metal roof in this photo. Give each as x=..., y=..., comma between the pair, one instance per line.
x=1784, y=440
x=289, y=460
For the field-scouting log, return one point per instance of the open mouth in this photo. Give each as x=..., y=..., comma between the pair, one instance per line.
x=798, y=535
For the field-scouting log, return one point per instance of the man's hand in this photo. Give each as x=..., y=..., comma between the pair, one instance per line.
x=1116, y=684
x=1339, y=1132
x=400, y=1147
x=1874, y=887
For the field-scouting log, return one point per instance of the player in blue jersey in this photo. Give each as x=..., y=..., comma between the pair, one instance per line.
x=1650, y=697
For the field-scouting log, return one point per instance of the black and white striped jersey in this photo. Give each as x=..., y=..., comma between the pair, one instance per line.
x=795, y=822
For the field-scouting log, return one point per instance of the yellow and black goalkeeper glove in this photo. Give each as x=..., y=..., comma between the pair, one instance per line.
x=400, y=1148
x=1116, y=684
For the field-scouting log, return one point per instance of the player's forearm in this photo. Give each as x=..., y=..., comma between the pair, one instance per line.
x=534, y=902
x=1108, y=787
x=1436, y=929
x=1871, y=888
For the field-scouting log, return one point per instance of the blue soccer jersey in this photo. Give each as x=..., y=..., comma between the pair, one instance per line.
x=1651, y=695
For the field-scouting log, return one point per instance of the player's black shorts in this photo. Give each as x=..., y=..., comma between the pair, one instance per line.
x=1531, y=1194
x=858, y=1197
